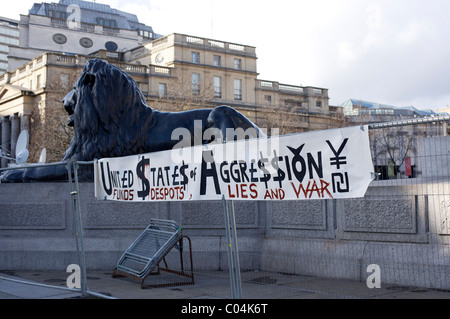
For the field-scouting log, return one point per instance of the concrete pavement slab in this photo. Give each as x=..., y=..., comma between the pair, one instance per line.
x=214, y=285
x=12, y=287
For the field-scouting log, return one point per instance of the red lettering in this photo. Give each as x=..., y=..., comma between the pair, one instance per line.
x=314, y=188
x=310, y=189
x=253, y=191
x=324, y=187
x=277, y=193
x=181, y=196
x=123, y=194
x=274, y=193
x=300, y=188
x=229, y=192
x=166, y=193
x=243, y=191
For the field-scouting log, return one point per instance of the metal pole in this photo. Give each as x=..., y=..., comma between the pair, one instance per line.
x=232, y=247
x=237, y=268
x=230, y=259
x=80, y=225
x=76, y=209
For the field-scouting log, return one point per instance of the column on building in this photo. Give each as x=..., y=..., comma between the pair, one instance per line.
x=6, y=140
x=15, y=131
x=24, y=121
x=10, y=129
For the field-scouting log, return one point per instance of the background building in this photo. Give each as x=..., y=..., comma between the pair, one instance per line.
x=354, y=107
x=9, y=35
x=76, y=27
x=397, y=149
x=206, y=72
x=175, y=72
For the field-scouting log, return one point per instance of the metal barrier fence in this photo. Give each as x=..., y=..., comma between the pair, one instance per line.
x=72, y=172
x=396, y=237
x=400, y=231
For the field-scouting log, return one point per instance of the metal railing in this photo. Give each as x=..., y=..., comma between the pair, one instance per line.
x=402, y=225
x=72, y=170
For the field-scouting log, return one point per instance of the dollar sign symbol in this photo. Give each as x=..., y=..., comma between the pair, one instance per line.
x=185, y=177
x=140, y=168
x=275, y=164
x=262, y=166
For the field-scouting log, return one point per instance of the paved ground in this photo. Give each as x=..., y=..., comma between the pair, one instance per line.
x=255, y=285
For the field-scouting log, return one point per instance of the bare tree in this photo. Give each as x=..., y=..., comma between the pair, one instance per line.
x=280, y=121
x=182, y=96
x=290, y=120
x=50, y=131
x=391, y=144
x=49, y=119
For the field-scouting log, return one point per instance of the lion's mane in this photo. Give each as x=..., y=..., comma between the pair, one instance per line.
x=111, y=114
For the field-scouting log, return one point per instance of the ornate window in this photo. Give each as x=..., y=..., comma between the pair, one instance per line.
x=86, y=42
x=111, y=46
x=59, y=38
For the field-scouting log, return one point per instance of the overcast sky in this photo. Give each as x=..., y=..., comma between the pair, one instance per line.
x=387, y=51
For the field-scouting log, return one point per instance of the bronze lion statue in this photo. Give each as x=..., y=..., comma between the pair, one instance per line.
x=111, y=118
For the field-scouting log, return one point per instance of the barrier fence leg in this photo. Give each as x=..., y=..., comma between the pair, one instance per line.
x=78, y=226
x=232, y=247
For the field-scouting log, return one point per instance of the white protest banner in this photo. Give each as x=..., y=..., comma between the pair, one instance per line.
x=315, y=165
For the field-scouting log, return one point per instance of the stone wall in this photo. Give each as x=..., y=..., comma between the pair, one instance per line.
x=402, y=228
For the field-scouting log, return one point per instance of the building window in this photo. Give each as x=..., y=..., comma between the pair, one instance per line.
x=86, y=42
x=217, y=60
x=59, y=38
x=146, y=34
x=38, y=80
x=318, y=104
x=238, y=64
x=268, y=99
x=195, y=83
x=57, y=14
x=238, y=90
x=195, y=57
x=8, y=31
x=107, y=23
x=6, y=40
x=292, y=103
x=217, y=84
x=162, y=89
x=111, y=46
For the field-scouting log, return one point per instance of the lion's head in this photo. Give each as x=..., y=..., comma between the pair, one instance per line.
x=106, y=109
